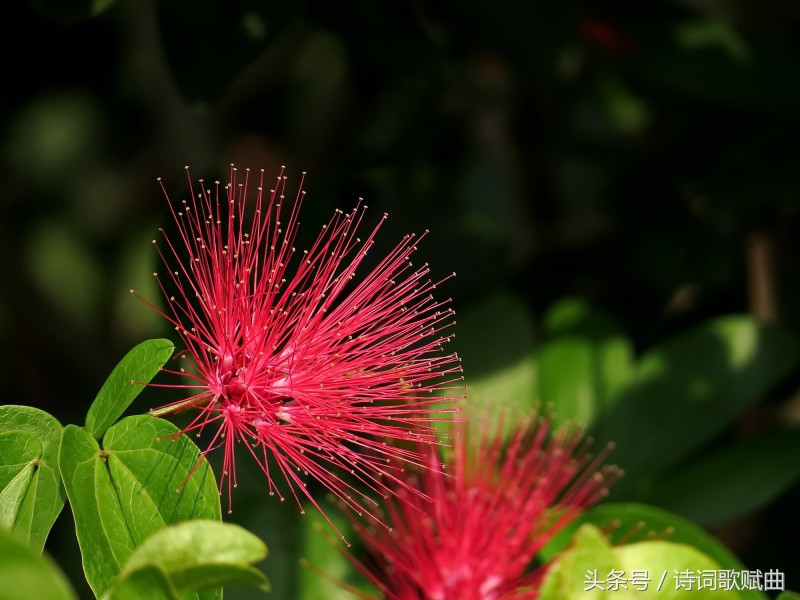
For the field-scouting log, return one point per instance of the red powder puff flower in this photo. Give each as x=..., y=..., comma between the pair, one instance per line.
x=312, y=366
x=492, y=510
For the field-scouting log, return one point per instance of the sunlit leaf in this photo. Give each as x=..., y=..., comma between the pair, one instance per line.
x=592, y=568
x=589, y=552
x=126, y=381
x=584, y=363
x=635, y=522
x=133, y=485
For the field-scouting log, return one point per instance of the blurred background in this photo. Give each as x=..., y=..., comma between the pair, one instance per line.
x=609, y=179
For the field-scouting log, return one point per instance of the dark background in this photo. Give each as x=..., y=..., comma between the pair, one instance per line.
x=640, y=155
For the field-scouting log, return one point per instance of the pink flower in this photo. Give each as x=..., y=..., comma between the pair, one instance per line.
x=492, y=510
x=314, y=367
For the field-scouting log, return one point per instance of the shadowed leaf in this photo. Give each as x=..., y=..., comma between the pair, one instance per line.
x=31, y=495
x=734, y=480
x=26, y=575
x=690, y=388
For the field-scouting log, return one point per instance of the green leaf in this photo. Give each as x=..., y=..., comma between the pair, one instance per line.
x=585, y=362
x=662, y=557
x=196, y=555
x=12, y=495
x=591, y=566
x=126, y=381
x=690, y=388
x=627, y=520
x=25, y=574
x=127, y=490
x=734, y=480
x=588, y=552
x=147, y=582
x=99, y=523
x=566, y=376
x=789, y=596
x=31, y=495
